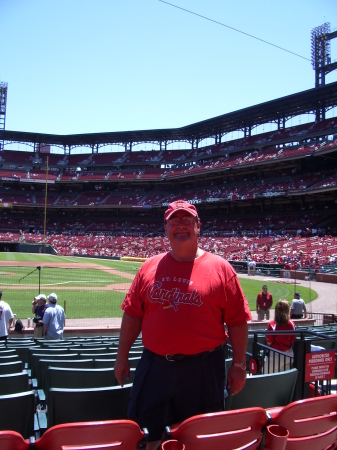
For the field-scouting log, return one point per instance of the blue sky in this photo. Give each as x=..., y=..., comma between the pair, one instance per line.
x=88, y=66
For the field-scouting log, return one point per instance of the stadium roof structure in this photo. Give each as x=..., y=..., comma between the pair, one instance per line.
x=316, y=100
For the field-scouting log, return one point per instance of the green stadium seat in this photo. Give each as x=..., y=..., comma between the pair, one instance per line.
x=83, y=405
x=11, y=367
x=17, y=413
x=265, y=391
x=13, y=383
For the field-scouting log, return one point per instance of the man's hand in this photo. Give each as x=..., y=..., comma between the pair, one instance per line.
x=122, y=366
x=236, y=379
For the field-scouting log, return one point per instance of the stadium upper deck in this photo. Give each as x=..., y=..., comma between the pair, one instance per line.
x=290, y=171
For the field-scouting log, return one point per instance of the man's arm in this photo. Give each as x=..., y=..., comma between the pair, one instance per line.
x=10, y=323
x=130, y=329
x=257, y=304
x=45, y=326
x=238, y=335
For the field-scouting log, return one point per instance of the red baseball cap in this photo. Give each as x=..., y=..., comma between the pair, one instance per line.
x=180, y=205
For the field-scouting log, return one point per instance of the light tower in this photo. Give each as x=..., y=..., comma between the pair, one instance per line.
x=321, y=52
x=3, y=103
x=321, y=59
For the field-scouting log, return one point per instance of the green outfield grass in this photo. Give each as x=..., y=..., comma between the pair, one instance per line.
x=81, y=289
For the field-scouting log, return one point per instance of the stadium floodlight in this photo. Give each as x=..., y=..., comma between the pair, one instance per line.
x=3, y=103
x=320, y=46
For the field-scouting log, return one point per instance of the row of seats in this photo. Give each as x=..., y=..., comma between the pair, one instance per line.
x=309, y=424
x=43, y=382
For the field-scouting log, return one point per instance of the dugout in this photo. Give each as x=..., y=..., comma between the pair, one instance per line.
x=9, y=247
x=35, y=248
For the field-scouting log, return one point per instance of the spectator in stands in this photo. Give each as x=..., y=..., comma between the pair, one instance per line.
x=6, y=319
x=264, y=302
x=298, y=307
x=53, y=319
x=38, y=308
x=180, y=300
x=282, y=343
x=251, y=267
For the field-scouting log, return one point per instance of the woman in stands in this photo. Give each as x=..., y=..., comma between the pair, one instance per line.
x=283, y=343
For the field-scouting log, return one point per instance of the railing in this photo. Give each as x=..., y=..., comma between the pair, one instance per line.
x=264, y=360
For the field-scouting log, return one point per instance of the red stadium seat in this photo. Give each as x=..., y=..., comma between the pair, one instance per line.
x=11, y=440
x=241, y=428
x=312, y=423
x=123, y=434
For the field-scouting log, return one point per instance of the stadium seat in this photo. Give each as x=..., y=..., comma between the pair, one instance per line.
x=71, y=363
x=312, y=423
x=70, y=378
x=11, y=440
x=265, y=391
x=226, y=430
x=9, y=358
x=11, y=367
x=13, y=383
x=17, y=413
x=35, y=358
x=82, y=405
x=123, y=434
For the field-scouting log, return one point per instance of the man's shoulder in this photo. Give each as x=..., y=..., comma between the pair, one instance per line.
x=4, y=304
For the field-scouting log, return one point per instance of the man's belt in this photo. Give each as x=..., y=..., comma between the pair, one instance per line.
x=180, y=357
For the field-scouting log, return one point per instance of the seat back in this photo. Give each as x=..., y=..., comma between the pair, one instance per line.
x=266, y=391
x=312, y=423
x=35, y=358
x=83, y=405
x=104, y=363
x=224, y=430
x=11, y=367
x=13, y=383
x=45, y=351
x=86, y=355
x=70, y=378
x=17, y=413
x=9, y=358
x=23, y=351
x=72, y=363
x=7, y=351
x=11, y=440
x=123, y=434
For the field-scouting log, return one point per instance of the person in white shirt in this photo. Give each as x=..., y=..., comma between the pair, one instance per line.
x=6, y=318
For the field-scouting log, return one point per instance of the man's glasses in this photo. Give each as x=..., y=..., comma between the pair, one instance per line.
x=186, y=220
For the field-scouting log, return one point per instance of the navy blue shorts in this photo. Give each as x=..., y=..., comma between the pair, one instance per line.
x=165, y=392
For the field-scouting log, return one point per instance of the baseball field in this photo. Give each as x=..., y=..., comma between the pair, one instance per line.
x=92, y=288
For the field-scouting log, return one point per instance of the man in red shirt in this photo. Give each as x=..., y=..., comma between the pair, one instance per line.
x=180, y=301
x=264, y=302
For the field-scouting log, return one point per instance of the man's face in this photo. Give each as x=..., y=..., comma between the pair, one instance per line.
x=182, y=227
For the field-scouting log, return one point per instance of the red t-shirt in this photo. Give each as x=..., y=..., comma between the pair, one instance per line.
x=264, y=301
x=279, y=342
x=184, y=304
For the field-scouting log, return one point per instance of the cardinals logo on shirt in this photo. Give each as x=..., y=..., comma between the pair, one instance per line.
x=173, y=297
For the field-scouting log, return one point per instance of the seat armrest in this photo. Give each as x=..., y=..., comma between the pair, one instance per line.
x=42, y=421
x=41, y=395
